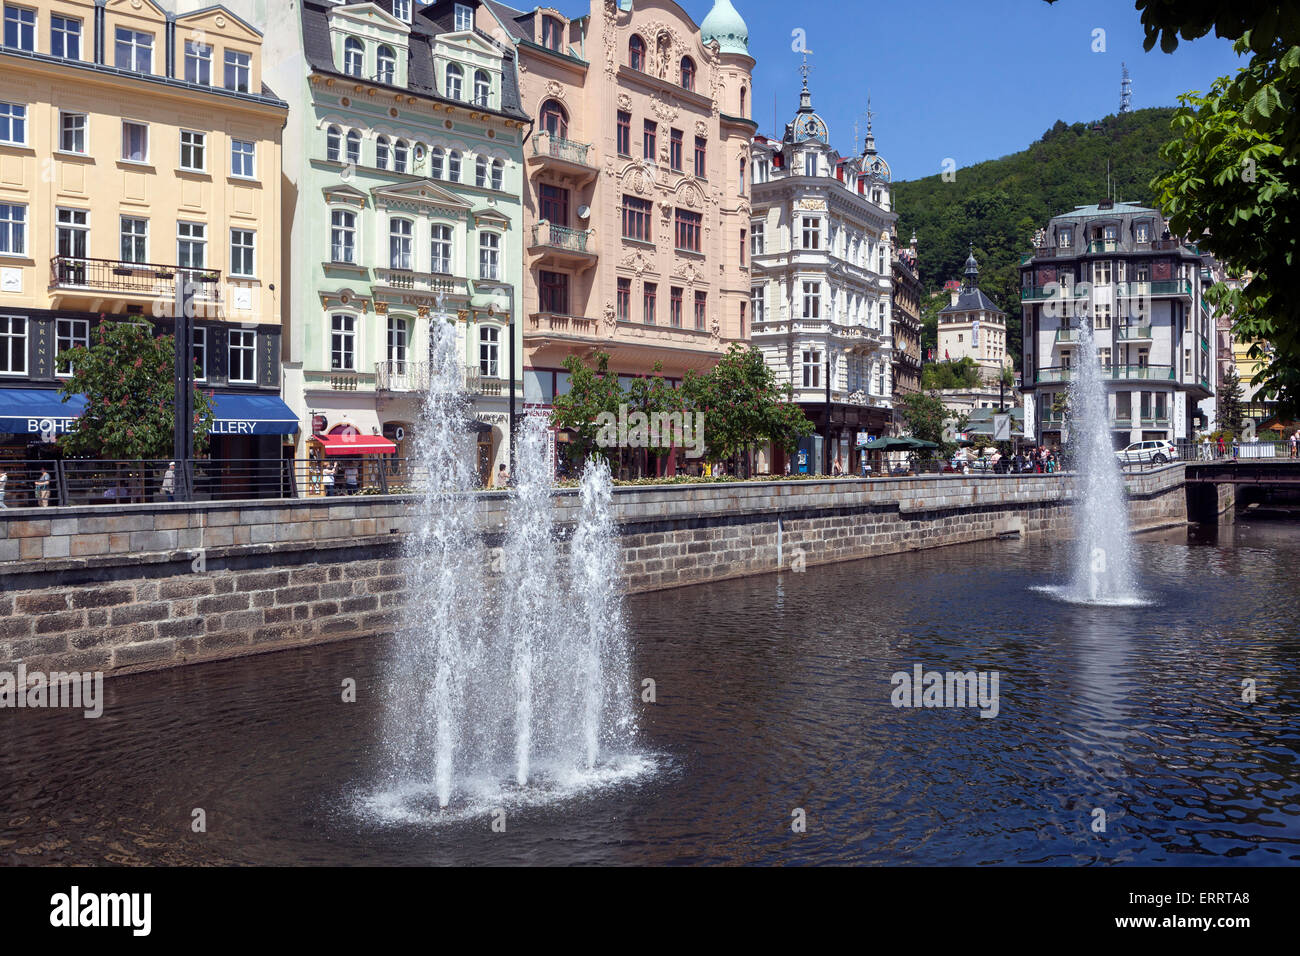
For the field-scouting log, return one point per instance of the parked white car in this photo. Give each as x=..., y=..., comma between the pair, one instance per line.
x=1156, y=452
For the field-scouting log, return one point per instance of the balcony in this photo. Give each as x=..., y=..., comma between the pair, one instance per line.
x=418, y=283
x=131, y=280
x=1053, y=290
x=1132, y=333
x=401, y=376
x=562, y=246
x=1162, y=288
x=1061, y=373
x=476, y=383
x=1067, y=335
x=560, y=325
x=572, y=160
x=1104, y=245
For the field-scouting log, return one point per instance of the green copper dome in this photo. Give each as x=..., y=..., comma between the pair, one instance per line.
x=726, y=26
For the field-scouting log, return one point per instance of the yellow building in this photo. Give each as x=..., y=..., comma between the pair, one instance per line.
x=138, y=148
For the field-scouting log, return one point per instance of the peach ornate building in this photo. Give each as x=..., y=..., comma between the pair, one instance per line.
x=636, y=200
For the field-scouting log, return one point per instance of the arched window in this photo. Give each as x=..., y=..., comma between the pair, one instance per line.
x=481, y=172
x=354, y=57
x=455, y=82
x=688, y=73
x=482, y=87
x=440, y=260
x=381, y=152
x=334, y=144
x=498, y=174
x=399, y=243
x=742, y=102
x=387, y=61
x=551, y=33
x=436, y=156
x=555, y=120
x=400, y=153
x=742, y=174
x=453, y=166
x=354, y=147
x=636, y=53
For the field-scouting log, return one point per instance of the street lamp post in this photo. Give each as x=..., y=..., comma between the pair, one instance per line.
x=183, y=418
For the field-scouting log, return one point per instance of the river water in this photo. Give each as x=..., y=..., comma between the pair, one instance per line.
x=772, y=707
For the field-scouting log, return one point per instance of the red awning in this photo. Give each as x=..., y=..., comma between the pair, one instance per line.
x=356, y=445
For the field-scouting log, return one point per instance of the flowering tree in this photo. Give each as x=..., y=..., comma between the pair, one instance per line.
x=591, y=392
x=126, y=375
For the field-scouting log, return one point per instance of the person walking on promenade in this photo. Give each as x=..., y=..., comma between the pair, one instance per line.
x=4, y=479
x=1235, y=447
x=1295, y=443
x=1205, y=448
x=169, y=481
x=43, y=488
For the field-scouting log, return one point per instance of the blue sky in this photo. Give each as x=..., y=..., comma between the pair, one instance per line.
x=969, y=80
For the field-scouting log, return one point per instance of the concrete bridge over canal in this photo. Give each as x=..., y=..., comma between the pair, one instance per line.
x=1255, y=481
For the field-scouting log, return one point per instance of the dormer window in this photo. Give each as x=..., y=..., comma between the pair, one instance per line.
x=636, y=53
x=482, y=87
x=464, y=17
x=402, y=10
x=1142, y=232
x=551, y=33
x=1065, y=238
x=810, y=164
x=688, y=73
x=354, y=57
x=455, y=81
x=387, y=62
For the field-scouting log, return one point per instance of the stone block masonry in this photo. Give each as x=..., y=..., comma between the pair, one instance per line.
x=148, y=586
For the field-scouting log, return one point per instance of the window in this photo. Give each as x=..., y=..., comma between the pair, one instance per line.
x=453, y=166
x=354, y=57
x=343, y=335
x=354, y=147
x=624, y=300
x=455, y=77
x=498, y=174
x=689, y=227
x=758, y=302
x=133, y=51
x=191, y=245
x=1101, y=315
x=688, y=73
x=13, y=345
x=675, y=150
x=762, y=170
x=636, y=218
x=756, y=238
x=13, y=228
x=72, y=132
x=742, y=318
x=65, y=38
x=243, y=355
x=436, y=159
x=72, y=232
x=382, y=153
x=401, y=152
x=464, y=17
x=13, y=124
x=701, y=308
x=554, y=291
x=553, y=204
x=743, y=92
x=624, y=133
x=343, y=236
x=701, y=147
x=198, y=63
x=744, y=247
x=551, y=33
x=69, y=334
x=400, y=232
x=648, y=303
x=812, y=300
x=440, y=248
x=386, y=60
x=742, y=174
x=810, y=164
x=489, y=256
x=199, y=341
x=1101, y=272
x=812, y=232
x=396, y=339
x=1140, y=232
x=554, y=119
x=134, y=234
x=482, y=87
x=481, y=172
x=241, y=253
x=648, y=140
x=334, y=144
x=1104, y=355
x=402, y=10
x=489, y=348
x=1065, y=238
x=193, y=149
x=812, y=368
x=20, y=28
x=636, y=53
x=675, y=307
x=242, y=159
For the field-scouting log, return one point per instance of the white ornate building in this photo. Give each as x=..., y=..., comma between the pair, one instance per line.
x=821, y=237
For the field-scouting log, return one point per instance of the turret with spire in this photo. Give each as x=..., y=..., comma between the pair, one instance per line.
x=972, y=270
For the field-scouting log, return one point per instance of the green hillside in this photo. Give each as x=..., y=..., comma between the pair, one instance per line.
x=999, y=204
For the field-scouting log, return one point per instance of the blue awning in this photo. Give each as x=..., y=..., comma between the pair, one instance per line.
x=37, y=412
x=252, y=415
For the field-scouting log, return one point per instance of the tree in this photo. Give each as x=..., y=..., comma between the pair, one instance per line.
x=127, y=377
x=653, y=396
x=592, y=391
x=743, y=405
x=962, y=373
x=928, y=419
x=1228, y=403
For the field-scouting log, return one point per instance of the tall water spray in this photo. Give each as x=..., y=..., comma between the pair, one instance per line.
x=1103, y=558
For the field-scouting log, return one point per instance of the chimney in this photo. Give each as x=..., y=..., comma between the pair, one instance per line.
x=954, y=295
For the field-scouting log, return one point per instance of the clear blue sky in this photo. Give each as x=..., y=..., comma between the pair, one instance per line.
x=969, y=80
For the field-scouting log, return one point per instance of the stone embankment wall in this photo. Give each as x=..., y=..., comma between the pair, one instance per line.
x=137, y=587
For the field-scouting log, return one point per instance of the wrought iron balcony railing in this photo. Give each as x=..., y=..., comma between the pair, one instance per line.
x=132, y=278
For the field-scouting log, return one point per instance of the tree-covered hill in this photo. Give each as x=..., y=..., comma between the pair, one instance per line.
x=999, y=204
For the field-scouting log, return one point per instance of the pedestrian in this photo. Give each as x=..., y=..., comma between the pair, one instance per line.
x=1205, y=447
x=1295, y=444
x=350, y=478
x=502, y=477
x=4, y=479
x=1235, y=447
x=43, y=488
x=836, y=470
x=1221, y=447
x=327, y=479
x=169, y=481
